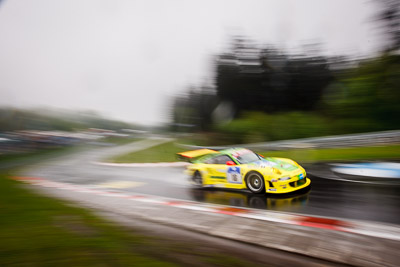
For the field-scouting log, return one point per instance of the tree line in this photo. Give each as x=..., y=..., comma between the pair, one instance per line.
x=259, y=90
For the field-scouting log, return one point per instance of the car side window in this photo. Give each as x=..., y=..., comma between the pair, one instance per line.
x=222, y=159
x=210, y=161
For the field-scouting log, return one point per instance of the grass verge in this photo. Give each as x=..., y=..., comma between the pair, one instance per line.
x=167, y=153
x=37, y=230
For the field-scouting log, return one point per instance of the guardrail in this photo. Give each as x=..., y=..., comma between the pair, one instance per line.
x=347, y=140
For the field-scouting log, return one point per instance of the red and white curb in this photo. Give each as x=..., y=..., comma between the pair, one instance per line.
x=155, y=164
x=350, y=226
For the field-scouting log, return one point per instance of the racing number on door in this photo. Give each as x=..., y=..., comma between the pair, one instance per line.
x=233, y=175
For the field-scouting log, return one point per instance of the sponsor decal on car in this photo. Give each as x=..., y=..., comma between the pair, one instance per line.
x=233, y=175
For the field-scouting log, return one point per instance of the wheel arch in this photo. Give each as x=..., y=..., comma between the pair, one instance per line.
x=246, y=176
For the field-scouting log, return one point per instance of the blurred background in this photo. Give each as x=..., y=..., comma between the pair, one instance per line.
x=227, y=72
x=92, y=89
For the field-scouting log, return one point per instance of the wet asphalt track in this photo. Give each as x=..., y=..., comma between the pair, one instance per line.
x=327, y=197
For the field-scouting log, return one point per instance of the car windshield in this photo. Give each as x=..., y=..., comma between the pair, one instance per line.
x=247, y=157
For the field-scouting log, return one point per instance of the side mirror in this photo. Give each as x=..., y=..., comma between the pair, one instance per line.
x=230, y=163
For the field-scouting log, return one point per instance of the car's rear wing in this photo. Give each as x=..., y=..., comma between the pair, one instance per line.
x=190, y=155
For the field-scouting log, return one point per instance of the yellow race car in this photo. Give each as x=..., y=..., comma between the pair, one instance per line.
x=240, y=168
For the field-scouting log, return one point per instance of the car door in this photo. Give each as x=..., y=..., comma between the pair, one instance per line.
x=225, y=175
x=217, y=169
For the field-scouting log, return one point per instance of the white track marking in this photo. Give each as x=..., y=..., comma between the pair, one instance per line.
x=120, y=184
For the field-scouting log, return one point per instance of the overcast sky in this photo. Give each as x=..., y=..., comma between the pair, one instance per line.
x=125, y=59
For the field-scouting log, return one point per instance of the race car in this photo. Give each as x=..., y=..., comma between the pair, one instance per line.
x=240, y=168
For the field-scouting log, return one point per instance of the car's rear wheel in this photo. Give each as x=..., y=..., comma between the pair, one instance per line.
x=197, y=178
x=255, y=182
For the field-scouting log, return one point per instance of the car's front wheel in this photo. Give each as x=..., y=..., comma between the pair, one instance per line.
x=255, y=182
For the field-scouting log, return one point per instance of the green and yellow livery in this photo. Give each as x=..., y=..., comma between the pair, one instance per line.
x=240, y=168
